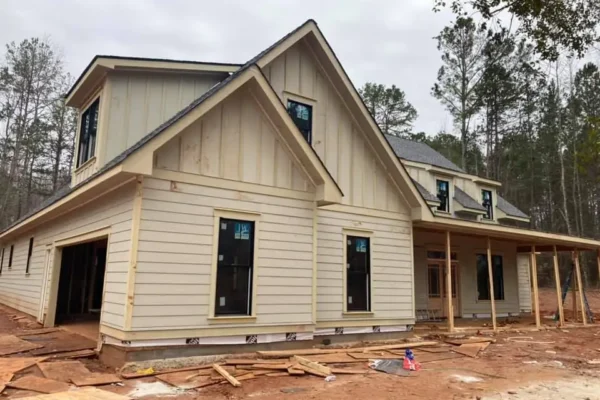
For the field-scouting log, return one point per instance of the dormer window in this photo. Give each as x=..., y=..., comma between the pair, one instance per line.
x=443, y=194
x=488, y=204
x=302, y=116
x=87, y=133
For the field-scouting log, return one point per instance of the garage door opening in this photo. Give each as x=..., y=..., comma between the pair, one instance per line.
x=80, y=288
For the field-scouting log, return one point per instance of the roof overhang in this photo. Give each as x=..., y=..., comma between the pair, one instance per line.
x=95, y=72
x=502, y=216
x=449, y=172
x=77, y=198
x=329, y=63
x=524, y=236
x=459, y=208
x=251, y=78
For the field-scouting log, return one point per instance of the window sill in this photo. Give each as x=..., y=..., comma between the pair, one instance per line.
x=443, y=212
x=85, y=164
x=242, y=319
x=358, y=314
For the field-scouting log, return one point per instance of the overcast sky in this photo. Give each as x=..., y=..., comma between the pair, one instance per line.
x=383, y=41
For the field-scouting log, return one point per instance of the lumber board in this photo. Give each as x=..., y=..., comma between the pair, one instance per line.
x=250, y=361
x=283, y=366
x=274, y=374
x=295, y=371
x=470, y=349
x=378, y=356
x=311, y=371
x=166, y=371
x=395, y=346
x=348, y=371
x=37, y=384
x=226, y=375
x=95, y=379
x=299, y=352
x=10, y=344
x=435, y=349
x=332, y=359
x=312, y=365
x=458, y=342
x=184, y=379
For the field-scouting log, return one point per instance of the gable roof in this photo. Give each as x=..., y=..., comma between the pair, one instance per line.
x=466, y=201
x=510, y=210
x=420, y=152
x=425, y=193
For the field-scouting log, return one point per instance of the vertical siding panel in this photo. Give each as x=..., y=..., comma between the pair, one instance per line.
x=369, y=181
x=191, y=148
x=278, y=75
x=267, y=155
x=211, y=143
x=284, y=167
x=320, y=115
x=168, y=157
x=154, y=107
x=307, y=73
x=137, y=107
x=188, y=89
x=298, y=180
x=332, y=138
x=230, y=141
x=394, y=202
x=358, y=164
x=171, y=104
x=345, y=160
x=380, y=190
x=250, y=140
x=292, y=70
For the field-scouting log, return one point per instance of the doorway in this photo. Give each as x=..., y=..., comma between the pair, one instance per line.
x=80, y=287
x=436, y=288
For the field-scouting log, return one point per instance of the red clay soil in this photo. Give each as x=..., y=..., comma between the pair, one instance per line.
x=549, y=303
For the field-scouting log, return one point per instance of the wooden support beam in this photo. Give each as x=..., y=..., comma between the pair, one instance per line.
x=573, y=286
x=561, y=316
x=449, y=283
x=491, y=279
x=536, y=297
x=580, y=285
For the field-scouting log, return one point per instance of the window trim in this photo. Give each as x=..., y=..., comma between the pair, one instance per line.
x=237, y=215
x=492, y=208
x=29, y=253
x=2, y=259
x=494, y=253
x=450, y=194
x=304, y=100
x=83, y=109
x=357, y=233
x=10, y=256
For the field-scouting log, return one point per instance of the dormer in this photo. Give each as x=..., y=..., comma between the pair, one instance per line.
x=121, y=99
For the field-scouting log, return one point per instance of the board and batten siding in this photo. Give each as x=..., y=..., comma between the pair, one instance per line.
x=235, y=141
x=338, y=141
x=391, y=268
x=523, y=265
x=140, y=102
x=114, y=210
x=467, y=249
x=172, y=286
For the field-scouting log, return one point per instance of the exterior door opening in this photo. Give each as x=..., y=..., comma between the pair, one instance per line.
x=80, y=287
x=438, y=296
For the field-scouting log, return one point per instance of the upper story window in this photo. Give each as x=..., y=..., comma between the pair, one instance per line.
x=302, y=116
x=87, y=133
x=487, y=203
x=443, y=194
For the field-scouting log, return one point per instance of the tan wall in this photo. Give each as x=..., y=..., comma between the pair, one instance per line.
x=140, y=102
x=391, y=257
x=467, y=248
x=336, y=137
x=23, y=292
x=523, y=265
x=172, y=287
x=235, y=141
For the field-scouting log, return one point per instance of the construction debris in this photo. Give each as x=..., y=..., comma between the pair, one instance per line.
x=86, y=393
x=471, y=349
x=10, y=344
x=394, y=367
x=226, y=375
x=37, y=384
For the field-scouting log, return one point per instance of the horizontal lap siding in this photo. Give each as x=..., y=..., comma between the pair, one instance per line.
x=392, y=290
x=172, y=287
x=524, y=282
x=23, y=292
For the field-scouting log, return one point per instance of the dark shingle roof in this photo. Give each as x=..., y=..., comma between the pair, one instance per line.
x=509, y=209
x=425, y=193
x=466, y=201
x=420, y=152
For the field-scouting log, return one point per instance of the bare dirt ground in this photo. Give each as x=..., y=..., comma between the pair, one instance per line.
x=549, y=364
x=549, y=303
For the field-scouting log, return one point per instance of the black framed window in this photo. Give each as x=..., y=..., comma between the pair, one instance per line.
x=358, y=272
x=235, y=265
x=443, y=193
x=487, y=203
x=87, y=133
x=2, y=259
x=29, y=255
x=483, y=277
x=10, y=255
x=302, y=116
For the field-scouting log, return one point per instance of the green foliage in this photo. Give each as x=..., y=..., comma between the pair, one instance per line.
x=390, y=108
x=551, y=25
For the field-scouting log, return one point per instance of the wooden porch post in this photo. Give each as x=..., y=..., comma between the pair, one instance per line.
x=536, y=298
x=561, y=316
x=580, y=285
x=491, y=279
x=449, y=283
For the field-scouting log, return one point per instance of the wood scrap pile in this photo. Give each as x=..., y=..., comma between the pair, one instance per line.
x=470, y=347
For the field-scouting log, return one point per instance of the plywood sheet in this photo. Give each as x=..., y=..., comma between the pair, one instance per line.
x=435, y=349
x=14, y=365
x=63, y=370
x=471, y=349
x=37, y=384
x=333, y=358
x=10, y=344
x=88, y=393
x=64, y=341
x=473, y=340
x=95, y=379
x=186, y=379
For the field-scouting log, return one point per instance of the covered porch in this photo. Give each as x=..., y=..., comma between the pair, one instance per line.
x=470, y=274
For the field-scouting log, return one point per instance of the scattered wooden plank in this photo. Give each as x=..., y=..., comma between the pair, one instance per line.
x=435, y=349
x=10, y=344
x=332, y=359
x=141, y=375
x=470, y=349
x=5, y=377
x=87, y=393
x=274, y=374
x=35, y=332
x=312, y=365
x=432, y=357
x=379, y=356
x=68, y=355
x=398, y=346
x=40, y=385
x=63, y=371
x=251, y=361
x=284, y=366
x=299, y=352
x=226, y=375
x=295, y=371
x=65, y=341
x=348, y=371
x=474, y=340
x=95, y=379
x=184, y=380
x=14, y=365
x=310, y=371
x=245, y=377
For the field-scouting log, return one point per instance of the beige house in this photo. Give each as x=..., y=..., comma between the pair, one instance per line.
x=229, y=204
